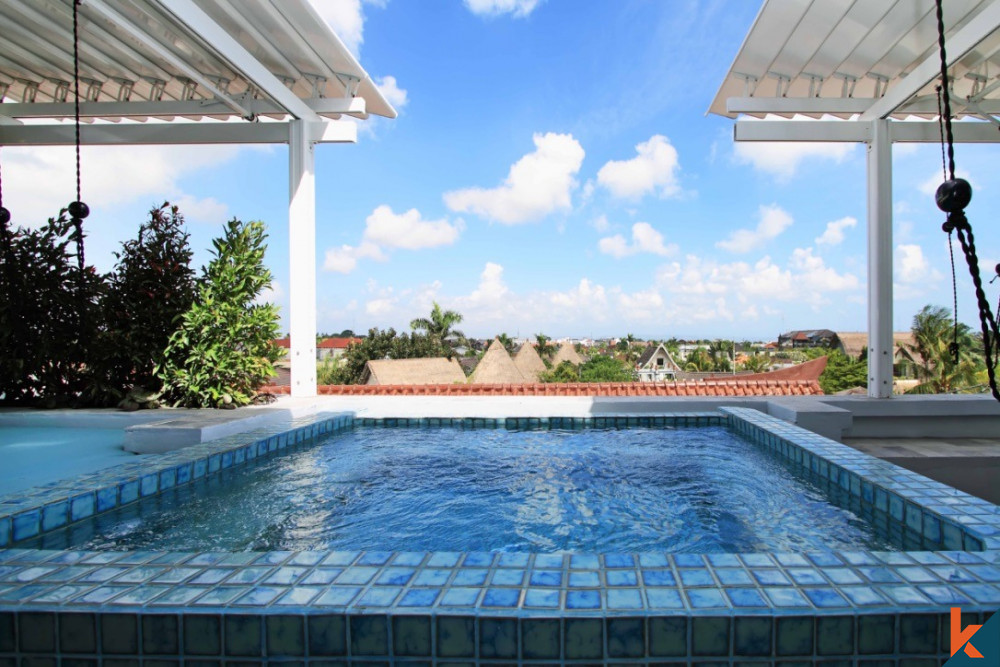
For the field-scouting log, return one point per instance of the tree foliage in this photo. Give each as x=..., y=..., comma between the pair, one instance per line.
x=842, y=373
x=606, y=369
x=599, y=368
x=545, y=349
x=507, y=342
x=438, y=328
x=564, y=372
x=756, y=363
x=223, y=351
x=383, y=344
x=49, y=315
x=931, y=356
x=150, y=289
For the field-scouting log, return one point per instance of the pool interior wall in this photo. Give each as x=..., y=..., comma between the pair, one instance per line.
x=489, y=608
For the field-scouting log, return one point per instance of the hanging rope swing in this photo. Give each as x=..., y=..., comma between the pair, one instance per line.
x=78, y=211
x=952, y=197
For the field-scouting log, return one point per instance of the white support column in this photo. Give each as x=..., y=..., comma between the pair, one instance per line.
x=880, y=346
x=302, y=257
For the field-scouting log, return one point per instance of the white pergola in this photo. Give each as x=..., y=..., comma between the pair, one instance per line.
x=866, y=71
x=193, y=72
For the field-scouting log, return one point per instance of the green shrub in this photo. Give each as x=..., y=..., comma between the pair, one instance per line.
x=150, y=289
x=223, y=351
x=49, y=315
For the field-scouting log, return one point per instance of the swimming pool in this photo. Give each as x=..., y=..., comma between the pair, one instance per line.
x=679, y=490
x=392, y=605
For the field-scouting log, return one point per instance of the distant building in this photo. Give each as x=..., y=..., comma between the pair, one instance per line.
x=434, y=370
x=655, y=365
x=807, y=338
x=333, y=348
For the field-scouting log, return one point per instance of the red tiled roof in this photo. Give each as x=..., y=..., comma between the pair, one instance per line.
x=336, y=343
x=326, y=343
x=738, y=387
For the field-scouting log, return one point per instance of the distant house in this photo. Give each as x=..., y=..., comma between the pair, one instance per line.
x=655, y=365
x=854, y=344
x=325, y=349
x=568, y=353
x=496, y=367
x=333, y=348
x=435, y=370
x=528, y=362
x=807, y=338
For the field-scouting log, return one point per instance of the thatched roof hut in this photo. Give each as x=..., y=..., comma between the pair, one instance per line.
x=436, y=370
x=854, y=344
x=496, y=367
x=529, y=363
x=566, y=353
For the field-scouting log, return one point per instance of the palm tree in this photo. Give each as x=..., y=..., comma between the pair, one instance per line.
x=931, y=355
x=699, y=361
x=544, y=348
x=507, y=342
x=718, y=351
x=756, y=363
x=439, y=328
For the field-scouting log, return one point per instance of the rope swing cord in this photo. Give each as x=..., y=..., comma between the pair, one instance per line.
x=952, y=198
x=77, y=209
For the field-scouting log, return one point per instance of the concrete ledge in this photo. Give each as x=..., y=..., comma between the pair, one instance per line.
x=937, y=416
x=821, y=418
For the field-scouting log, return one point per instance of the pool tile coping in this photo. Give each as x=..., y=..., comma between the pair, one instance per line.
x=501, y=584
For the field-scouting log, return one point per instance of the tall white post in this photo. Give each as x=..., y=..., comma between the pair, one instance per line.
x=880, y=345
x=302, y=258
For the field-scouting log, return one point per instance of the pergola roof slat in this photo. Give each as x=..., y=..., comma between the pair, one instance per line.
x=861, y=49
x=152, y=51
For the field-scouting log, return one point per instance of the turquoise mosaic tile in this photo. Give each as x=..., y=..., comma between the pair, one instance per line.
x=413, y=607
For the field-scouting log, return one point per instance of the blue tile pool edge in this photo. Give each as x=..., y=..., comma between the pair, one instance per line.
x=456, y=593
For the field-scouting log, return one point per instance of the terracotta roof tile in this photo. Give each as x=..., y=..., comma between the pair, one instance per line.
x=736, y=387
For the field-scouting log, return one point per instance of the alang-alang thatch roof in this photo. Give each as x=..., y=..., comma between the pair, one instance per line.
x=436, y=370
x=529, y=363
x=566, y=353
x=496, y=367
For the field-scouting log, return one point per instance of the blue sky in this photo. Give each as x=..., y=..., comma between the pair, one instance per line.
x=552, y=170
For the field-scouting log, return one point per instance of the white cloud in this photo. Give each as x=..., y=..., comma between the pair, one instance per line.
x=408, y=230
x=773, y=221
x=812, y=274
x=274, y=294
x=538, y=184
x=345, y=258
x=600, y=223
x=834, y=233
x=208, y=210
x=38, y=181
x=783, y=159
x=516, y=8
x=914, y=274
x=385, y=229
x=395, y=95
x=929, y=187
x=645, y=239
x=654, y=169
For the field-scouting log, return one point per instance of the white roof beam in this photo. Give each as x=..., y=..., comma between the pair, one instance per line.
x=800, y=130
x=194, y=108
x=859, y=131
x=818, y=105
x=202, y=24
x=118, y=134
x=959, y=44
x=166, y=54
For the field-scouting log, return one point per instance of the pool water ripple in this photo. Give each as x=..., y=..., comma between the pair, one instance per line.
x=695, y=490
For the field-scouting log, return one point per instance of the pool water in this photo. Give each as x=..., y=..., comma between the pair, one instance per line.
x=697, y=490
x=34, y=455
